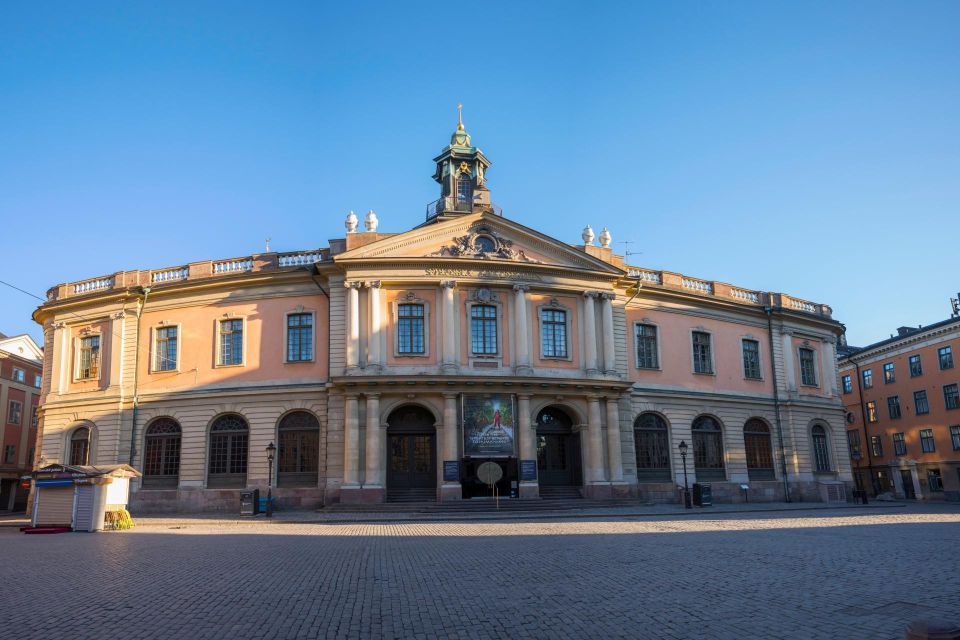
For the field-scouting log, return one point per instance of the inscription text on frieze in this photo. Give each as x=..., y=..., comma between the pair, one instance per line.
x=482, y=274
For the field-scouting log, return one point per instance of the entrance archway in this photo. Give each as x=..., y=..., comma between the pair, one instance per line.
x=411, y=455
x=558, y=454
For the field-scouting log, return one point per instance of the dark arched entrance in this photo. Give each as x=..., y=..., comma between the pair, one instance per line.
x=558, y=451
x=411, y=455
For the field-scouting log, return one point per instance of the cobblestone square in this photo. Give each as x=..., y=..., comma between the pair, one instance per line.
x=830, y=574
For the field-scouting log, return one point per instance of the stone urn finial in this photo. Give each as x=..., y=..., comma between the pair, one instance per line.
x=351, y=222
x=605, y=238
x=371, y=221
x=587, y=235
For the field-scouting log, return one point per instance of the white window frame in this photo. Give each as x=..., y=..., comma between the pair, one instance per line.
x=485, y=357
x=713, y=354
x=410, y=298
x=77, y=342
x=816, y=366
x=21, y=378
x=568, y=327
x=10, y=404
x=743, y=367
x=636, y=354
x=37, y=380
x=153, y=347
x=286, y=336
x=216, y=341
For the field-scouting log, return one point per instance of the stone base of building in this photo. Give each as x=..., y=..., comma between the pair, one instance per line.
x=450, y=492
x=190, y=500
x=529, y=490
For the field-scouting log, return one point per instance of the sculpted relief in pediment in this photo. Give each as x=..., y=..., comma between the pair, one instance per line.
x=485, y=243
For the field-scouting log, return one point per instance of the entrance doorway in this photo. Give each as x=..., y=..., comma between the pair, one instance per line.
x=411, y=455
x=907, y=479
x=473, y=487
x=558, y=452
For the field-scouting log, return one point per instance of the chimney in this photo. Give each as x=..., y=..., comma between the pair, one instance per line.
x=905, y=331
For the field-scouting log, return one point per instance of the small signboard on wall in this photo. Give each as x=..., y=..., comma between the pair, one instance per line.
x=528, y=471
x=451, y=471
x=488, y=425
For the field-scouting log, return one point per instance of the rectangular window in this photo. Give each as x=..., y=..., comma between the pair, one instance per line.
x=893, y=407
x=920, y=404
x=808, y=368
x=867, y=378
x=955, y=437
x=231, y=342
x=871, y=411
x=751, y=359
x=926, y=441
x=483, y=329
x=847, y=384
x=945, y=356
x=553, y=333
x=899, y=444
x=934, y=480
x=299, y=337
x=951, y=396
x=916, y=367
x=165, y=349
x=18, y=375
x=410, y=328
x=37, y=380
x=89, y=365
x=702, y=358
x=876, y=446
x=889, y=374
x=9, y=452
x=15, y=412
x=853, y=443
x=647, y=357
x=35, y=418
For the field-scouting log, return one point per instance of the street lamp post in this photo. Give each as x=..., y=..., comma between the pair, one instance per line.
x=271, y=450
x=686, y=486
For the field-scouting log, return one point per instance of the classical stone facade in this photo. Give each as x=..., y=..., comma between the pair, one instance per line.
x=392, y=366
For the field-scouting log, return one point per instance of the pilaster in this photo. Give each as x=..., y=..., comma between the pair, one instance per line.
x=521, y=329
x=590, y=331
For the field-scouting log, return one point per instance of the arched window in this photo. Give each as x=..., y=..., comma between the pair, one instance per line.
x=464, y=189
x=161, y=454
x=652, y=447
x=298, y=453
x=756, y=439
x=80, y=446
x=708, y=449
x=821, y=452
x=228, y=452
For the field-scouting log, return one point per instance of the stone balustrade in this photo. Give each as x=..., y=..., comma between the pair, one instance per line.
x=169, y=275
x=97, y=284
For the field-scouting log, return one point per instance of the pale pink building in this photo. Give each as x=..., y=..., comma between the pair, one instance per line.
x=390, y=366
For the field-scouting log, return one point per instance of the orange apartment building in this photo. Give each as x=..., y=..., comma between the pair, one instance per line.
x=902, y=397
x=21, y=362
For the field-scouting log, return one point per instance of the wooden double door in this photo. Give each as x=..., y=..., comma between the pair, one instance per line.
x=411, y=461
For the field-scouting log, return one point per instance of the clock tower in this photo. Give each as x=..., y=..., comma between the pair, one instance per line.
x=461, y=172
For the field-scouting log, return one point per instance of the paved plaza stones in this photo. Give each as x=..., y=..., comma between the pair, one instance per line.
x=821, y=574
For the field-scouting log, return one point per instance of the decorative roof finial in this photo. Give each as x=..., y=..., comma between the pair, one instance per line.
x=459, y=116
x=460, y=137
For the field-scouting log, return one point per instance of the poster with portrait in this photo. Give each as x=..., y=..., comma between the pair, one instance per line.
x=488, y=425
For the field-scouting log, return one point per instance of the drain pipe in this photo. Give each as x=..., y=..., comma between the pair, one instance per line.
x=776, y=403
x=136, y=375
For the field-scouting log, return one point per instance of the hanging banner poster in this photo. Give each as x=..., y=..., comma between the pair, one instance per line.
x=488, y=425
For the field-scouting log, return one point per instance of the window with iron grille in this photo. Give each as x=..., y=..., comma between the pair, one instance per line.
x=14, y=412
x=647, y=356
x=231, y=342
x=89, y=365
x=751, y=359
x=920, y=404
x=756, y=440
x=165, y=349
x=410, y=328
x=161, y=454
x=808, y=367
x=299, y=337
x=553, y=333
x=867, y=378
x=899, y=444
x=893, y=407
x=847, y=384
x=228, y=452
x=876, y=446
x=483, y=329
x=298, y=453
x=821, y=451
x=871, y=411
x=702, y=356
x=19, y=375
x=916, y=367
x=652, y=448
x=853, y=443
x=708, y=449
x=80, y=446
x=9, y=453
x=945, y=356
x=927, y=444
x=889, y=374
x=951, y=396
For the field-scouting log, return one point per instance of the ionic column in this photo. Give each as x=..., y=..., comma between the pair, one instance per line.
x=520, y=327
x=590, y=330
x=609, y=350
x=595, y=438
x=527, y=434
x=374, y=471
x=373, y=340
x=353, y=324
x=351, y=441
x=451, y=451
x=449, y=325
x=614, y=462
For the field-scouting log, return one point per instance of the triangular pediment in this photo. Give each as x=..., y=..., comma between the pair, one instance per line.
x=482, y=237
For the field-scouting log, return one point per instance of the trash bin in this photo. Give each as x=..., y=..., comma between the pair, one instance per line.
x=702, y=494
x=250, y=502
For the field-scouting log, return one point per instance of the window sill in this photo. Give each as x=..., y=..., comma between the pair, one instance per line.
x=227, y=366
x=705, y=373
x=311, y=361
x=752, y=379
x=639, y=368
x=810, y=386
x=156, y=371
x=397, y=354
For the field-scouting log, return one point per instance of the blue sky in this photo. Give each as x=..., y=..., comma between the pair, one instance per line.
x=811, y=148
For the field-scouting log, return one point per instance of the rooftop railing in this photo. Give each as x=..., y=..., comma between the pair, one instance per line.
x=450, y=204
